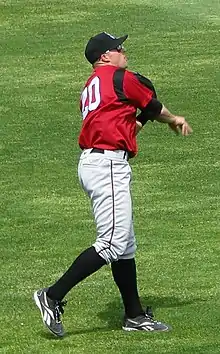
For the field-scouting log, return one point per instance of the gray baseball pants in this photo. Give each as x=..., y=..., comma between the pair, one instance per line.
x=106, y=179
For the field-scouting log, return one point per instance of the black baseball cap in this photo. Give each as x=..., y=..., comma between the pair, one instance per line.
x=101, y=43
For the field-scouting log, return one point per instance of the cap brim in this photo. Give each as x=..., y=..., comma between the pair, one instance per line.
x=118, y=41
x=122, y=39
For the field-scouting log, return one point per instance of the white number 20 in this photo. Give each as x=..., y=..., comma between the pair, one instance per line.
x=90, y=97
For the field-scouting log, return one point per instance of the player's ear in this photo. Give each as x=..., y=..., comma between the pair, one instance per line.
x=105, y=58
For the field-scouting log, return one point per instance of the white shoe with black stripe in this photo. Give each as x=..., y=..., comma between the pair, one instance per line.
x=144, y=323
x=51, y=311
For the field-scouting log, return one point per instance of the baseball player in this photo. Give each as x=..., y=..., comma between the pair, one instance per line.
x=109, y=103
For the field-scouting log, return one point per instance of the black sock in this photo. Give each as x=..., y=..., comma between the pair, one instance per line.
x=124, y=273
x=87, y=263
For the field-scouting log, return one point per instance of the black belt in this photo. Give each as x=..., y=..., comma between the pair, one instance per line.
x=102, y=151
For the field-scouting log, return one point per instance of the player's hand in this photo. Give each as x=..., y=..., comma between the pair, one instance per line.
x=138, y=127
x=180, y=125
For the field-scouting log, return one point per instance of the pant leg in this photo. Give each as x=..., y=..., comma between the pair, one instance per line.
x=107, y=182
x=131, y=245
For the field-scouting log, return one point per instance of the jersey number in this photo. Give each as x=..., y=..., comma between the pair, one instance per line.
x=91, y=97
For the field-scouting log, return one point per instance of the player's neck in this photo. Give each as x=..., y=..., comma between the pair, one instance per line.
x=100, y=64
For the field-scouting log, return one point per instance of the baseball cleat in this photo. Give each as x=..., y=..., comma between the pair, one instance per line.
x=144, y=323
x=51, y=311
x=149, y=312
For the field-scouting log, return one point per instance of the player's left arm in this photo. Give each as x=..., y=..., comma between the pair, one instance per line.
x=177, y=123
x=150, y=112
x=155, y=110
x=140, y=91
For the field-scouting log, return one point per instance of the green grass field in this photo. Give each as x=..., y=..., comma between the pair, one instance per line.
x=46, y=219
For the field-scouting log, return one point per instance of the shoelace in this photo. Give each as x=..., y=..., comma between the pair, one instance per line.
x=59, y=309
x=149, y=313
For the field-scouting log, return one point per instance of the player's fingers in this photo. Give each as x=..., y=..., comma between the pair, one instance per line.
x=186, y=129
x=189, y=129
x=174, y=128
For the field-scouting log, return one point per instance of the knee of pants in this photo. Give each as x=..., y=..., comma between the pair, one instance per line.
x=113, y=252
x=130, y=252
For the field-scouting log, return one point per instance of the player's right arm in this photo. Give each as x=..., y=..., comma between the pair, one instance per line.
x=139, y=126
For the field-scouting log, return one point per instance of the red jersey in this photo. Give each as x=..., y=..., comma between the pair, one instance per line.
x=109, y=104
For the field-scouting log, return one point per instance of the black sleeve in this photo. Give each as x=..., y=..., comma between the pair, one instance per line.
x=146, y=82
x=151, y=111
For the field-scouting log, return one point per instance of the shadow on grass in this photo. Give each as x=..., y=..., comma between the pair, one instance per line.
x=112, y=315
x=114, y=310
x=69, y=333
